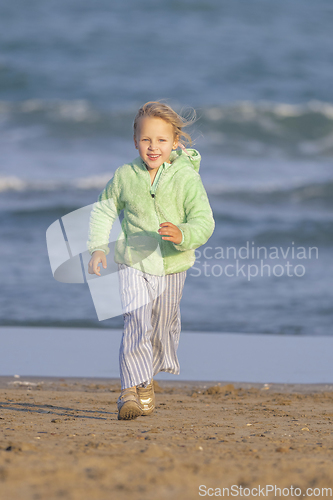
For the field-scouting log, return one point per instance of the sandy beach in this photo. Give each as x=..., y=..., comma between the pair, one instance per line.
x=60, y=438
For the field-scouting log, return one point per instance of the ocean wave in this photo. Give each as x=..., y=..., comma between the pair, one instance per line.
x=256, y=127
x=273, y=227
x=321, y=192
x=12, y=183
x=307, y=193
x=77, y=117
x=242, y=127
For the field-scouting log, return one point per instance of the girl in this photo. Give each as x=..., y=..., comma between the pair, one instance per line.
x=165, y=204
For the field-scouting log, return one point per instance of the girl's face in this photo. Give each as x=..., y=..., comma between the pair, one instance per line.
x=155, y=139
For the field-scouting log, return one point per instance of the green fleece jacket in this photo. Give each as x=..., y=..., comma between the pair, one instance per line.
x=179, y=197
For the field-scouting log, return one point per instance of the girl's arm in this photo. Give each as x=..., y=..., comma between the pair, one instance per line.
x=104, y=213
x=98, y=257
x=200, y=224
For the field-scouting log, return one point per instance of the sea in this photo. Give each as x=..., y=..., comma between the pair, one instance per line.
x=258, y=74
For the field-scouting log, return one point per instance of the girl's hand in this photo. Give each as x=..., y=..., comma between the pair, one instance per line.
x=174, y=234
x=97, y=258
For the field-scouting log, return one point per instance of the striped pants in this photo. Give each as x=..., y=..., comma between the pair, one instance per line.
x=151, y=331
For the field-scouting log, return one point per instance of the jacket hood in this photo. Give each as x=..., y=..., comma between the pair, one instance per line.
x=193, y=157
x=178, y=158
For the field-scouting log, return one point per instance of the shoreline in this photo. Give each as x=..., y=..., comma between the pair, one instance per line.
x=203, y=356
x=50, y=382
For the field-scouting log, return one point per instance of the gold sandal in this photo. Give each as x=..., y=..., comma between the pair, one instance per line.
x=147, y=398
x=128, y=404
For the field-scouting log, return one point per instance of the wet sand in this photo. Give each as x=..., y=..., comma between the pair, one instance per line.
x=60, y=438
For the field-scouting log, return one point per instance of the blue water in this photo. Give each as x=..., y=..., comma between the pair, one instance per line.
x=259, y=74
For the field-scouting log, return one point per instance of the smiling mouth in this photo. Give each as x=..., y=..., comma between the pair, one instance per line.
x=153, y=157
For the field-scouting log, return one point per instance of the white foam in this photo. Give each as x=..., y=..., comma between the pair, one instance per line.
x=13, y=183
x=77, y=110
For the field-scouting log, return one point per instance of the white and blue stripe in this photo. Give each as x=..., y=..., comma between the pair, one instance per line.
x=151, y=331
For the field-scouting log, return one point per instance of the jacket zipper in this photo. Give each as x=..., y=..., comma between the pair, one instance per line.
x=153, y=195
x=158, y=211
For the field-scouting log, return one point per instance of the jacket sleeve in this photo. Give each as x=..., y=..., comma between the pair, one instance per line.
x=103, y=214
x=200, y=224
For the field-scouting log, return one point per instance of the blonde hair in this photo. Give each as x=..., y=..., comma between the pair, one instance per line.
x=158, y=109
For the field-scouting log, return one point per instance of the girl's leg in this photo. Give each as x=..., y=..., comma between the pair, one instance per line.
x=135, y=355
x=166, y=324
